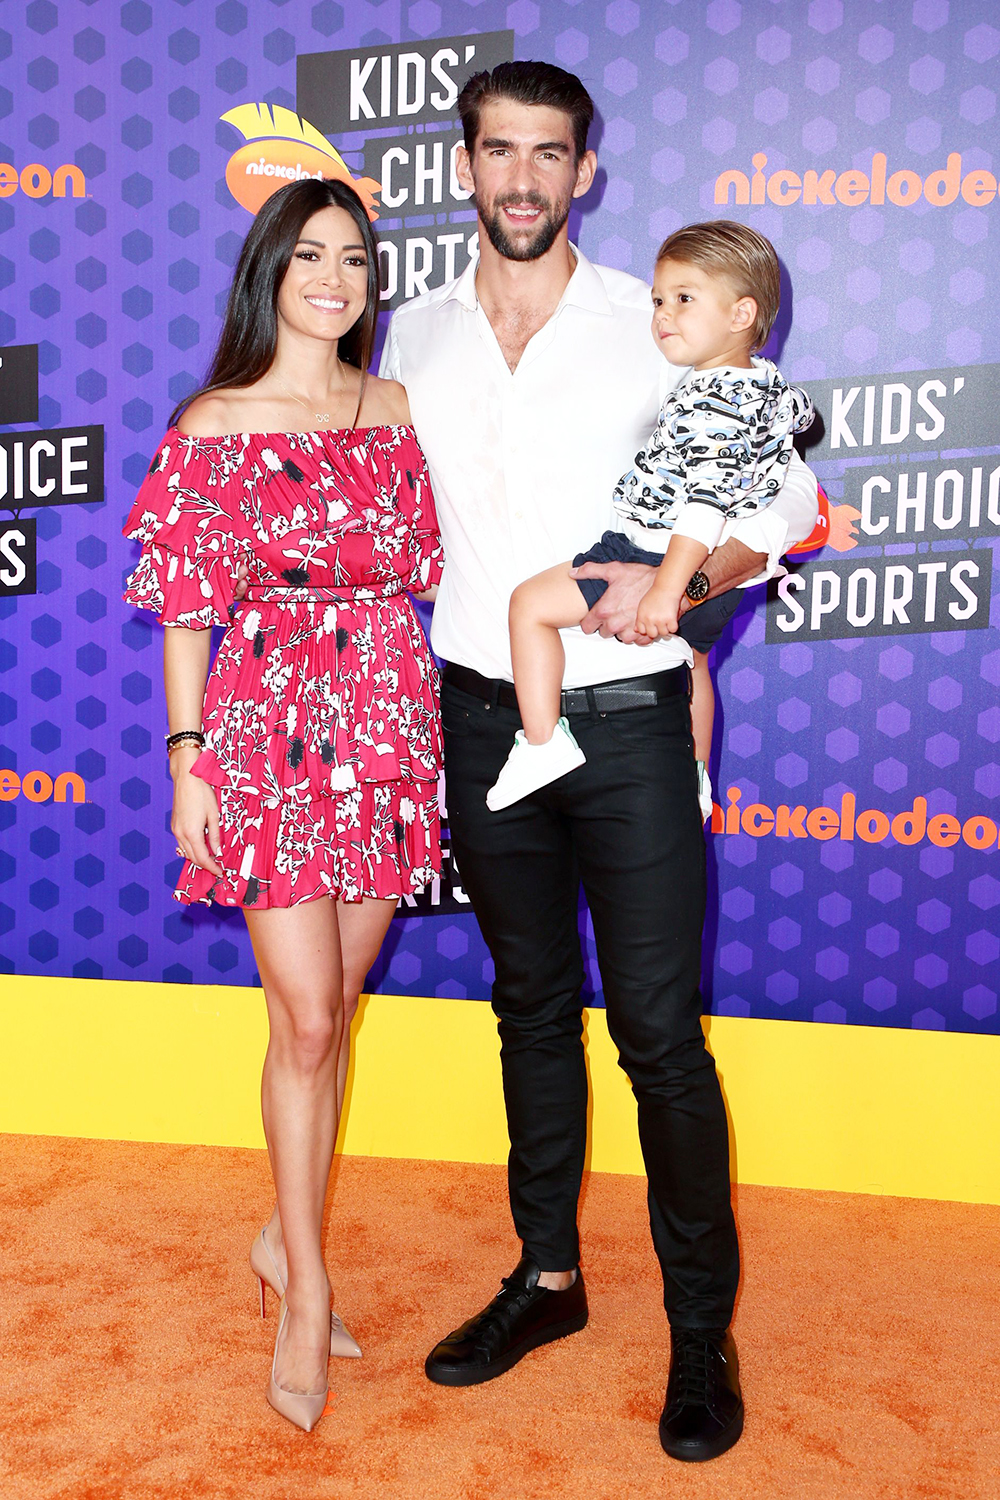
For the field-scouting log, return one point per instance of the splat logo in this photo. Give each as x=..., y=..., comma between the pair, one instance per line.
x=834, y=528
x=281, y=148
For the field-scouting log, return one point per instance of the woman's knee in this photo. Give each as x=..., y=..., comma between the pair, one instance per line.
x=307, y=1036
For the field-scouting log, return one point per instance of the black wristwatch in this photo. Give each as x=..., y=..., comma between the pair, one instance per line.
x=698, y=587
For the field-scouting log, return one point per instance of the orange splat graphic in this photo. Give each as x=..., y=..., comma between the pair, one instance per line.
x=842, y=535
x=834, y=527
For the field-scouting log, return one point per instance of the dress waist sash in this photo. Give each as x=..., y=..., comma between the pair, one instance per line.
x=282, y=593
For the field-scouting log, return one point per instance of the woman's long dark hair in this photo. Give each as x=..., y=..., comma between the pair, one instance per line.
x=249, y=335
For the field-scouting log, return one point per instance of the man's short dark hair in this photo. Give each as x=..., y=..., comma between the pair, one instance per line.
x=537, y=83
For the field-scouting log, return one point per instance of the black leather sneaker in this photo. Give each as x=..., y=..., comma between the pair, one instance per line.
x=521, y=1316
x=703, y=1412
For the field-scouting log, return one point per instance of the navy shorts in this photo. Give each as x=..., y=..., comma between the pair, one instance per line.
x=701, y=626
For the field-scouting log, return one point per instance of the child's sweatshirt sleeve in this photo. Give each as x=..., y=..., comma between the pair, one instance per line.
x=735, y=436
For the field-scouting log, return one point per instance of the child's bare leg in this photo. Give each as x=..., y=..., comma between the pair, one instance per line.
x=702, y=722
x=539, y=608
x=545, y=748
x=702, y=706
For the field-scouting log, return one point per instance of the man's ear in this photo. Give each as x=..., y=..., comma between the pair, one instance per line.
x=744, y=314
x=463, y=169
x=586, y=168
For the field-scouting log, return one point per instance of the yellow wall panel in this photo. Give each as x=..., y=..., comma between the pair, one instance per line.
x=854, y=1109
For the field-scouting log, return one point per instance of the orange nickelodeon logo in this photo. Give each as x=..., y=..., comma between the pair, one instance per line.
x=282, y=147
x=38, y=786
x=36, y=181
x=852, y=187
x=871, y=825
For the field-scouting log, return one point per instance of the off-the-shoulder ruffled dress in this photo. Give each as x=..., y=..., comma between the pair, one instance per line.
x=321, y=720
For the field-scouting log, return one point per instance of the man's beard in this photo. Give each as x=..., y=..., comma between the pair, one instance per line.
x=546, y=229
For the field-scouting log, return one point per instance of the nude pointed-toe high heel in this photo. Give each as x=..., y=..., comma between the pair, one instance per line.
x=302, y=1408
x=342, y=1343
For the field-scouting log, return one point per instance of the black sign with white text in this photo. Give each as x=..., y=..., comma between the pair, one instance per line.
x=905, y=411
x=17, y=557
x=417, y=173
x=881, y=596
x=19, y=383
x=416, y=260
x=915, y=502
x=441, y=897
x=62, y=466
x=407, y=83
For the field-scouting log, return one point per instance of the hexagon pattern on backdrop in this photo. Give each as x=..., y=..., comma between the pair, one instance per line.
x=121, y=292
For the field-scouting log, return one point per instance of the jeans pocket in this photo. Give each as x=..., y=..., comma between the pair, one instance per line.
x=667, y=724
x=461, y=713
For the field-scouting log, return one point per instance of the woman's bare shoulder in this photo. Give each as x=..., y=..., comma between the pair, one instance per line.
x=385, y=402
x=218, y=413
x=207, y=416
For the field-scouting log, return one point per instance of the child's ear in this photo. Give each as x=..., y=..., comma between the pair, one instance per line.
x=744, y=314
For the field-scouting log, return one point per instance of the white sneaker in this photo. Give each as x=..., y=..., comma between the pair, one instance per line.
x=705, y=796
x=529, y=767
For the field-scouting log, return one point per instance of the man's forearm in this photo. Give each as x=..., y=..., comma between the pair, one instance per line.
x=727, y=567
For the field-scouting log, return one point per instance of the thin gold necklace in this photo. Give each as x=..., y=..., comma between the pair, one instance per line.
x=321, y=416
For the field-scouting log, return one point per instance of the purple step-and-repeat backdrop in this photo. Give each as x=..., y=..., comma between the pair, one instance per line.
x=854, y=860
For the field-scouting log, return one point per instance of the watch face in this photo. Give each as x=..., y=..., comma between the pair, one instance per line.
x=698, y=587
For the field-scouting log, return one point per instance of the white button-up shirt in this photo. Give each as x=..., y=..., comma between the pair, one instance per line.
x=524, y=462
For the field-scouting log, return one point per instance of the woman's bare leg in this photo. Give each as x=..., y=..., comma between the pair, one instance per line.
x=363, y=926
x=539, y=608
x=299, y=957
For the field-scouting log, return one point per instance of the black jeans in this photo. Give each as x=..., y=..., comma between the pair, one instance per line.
x=627, y=825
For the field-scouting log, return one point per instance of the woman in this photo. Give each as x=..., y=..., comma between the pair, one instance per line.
x=305, y=775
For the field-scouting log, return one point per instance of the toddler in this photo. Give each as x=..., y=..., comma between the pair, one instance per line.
x=718, y=453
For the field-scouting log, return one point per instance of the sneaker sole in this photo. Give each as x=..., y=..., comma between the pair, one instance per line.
x=691, y=1453
x=477, y=1374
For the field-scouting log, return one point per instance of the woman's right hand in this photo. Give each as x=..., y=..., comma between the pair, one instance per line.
x=195, y=820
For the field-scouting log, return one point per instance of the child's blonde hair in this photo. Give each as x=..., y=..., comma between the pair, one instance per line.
x=745, y=258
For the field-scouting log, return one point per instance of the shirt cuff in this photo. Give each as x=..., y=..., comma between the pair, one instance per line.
x=763, y=532
x=702, y=523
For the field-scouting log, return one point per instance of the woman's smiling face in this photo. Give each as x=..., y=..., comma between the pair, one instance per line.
x=325, y=288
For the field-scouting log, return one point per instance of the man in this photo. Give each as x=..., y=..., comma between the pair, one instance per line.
x=532, y=381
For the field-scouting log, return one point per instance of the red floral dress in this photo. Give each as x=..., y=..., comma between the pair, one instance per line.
x=322, y=731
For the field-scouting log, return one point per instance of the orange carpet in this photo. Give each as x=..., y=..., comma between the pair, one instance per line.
x=132, y=1365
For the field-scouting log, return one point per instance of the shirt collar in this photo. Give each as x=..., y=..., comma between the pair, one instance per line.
x=584, y=289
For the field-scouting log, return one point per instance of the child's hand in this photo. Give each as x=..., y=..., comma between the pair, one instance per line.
x=657, y=613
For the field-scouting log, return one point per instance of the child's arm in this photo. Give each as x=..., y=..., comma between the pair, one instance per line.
x=658, y=609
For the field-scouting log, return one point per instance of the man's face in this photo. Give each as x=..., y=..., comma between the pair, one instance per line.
x=525, y=175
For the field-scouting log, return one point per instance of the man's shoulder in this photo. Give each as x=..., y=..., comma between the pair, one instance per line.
x=624, y=291
x=425, y=302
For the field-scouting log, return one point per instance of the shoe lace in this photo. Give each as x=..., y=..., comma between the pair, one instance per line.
x=693, y=1373
x=489, y=1331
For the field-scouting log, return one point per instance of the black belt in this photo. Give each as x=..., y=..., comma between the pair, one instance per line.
x=603, y=697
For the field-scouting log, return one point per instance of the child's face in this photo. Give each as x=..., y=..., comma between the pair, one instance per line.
x=698, y=319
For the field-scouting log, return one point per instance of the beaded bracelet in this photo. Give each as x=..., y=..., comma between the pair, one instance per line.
x=193, y=736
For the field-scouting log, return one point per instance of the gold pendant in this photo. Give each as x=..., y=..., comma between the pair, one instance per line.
x=322, y=416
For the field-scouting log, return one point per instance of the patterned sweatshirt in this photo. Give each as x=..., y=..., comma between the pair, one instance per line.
x=718, y=453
